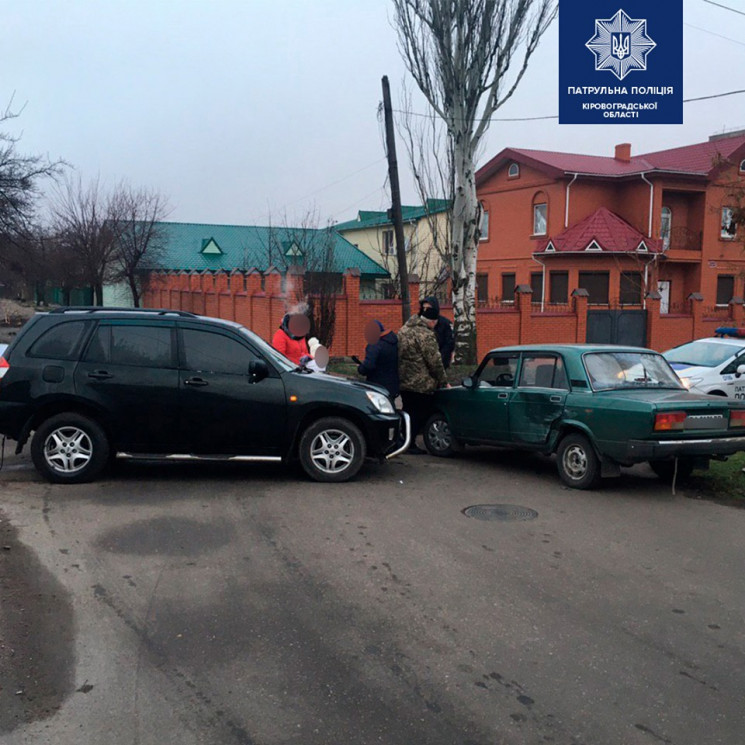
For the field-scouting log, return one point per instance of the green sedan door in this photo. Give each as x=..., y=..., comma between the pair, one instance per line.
x=481, y=413
x=539, y=398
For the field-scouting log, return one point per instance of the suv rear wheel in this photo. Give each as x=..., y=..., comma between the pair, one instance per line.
x=70, y=448
x=332, y=449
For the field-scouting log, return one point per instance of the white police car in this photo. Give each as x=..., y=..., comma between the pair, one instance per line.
x=714, y=365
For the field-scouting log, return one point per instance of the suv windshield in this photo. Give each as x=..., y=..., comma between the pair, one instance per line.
x=268, y=351
x=702, y=353
x=610, y=370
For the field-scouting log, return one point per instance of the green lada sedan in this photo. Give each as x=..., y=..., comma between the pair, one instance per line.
x=597, y=407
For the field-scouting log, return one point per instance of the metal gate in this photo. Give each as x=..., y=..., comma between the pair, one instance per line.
x=627, y=327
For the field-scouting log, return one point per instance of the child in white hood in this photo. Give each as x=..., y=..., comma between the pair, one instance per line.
x=319, y=355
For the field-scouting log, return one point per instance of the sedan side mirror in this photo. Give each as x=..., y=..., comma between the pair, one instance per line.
x=740, y=370
x=470, y=383
x=257, y=371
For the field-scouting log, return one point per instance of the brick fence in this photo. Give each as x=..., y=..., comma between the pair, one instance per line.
x=259, y=303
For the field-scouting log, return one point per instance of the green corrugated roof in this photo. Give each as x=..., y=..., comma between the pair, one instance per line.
x=246, y=246
x=367, y=219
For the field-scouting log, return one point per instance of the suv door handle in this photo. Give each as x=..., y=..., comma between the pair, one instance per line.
x=100, y=375
x=196, y=382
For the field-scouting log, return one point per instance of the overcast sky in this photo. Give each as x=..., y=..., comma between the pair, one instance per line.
x=242, y=109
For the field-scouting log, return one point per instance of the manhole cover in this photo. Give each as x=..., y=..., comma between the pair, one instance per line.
x=503, y=512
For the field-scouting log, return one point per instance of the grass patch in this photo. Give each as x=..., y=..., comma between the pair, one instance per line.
x=723, y=480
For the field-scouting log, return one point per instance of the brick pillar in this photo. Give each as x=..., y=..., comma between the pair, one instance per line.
x=295, y=285
x=274, y=296
x=697, y=314
x=654, y=326
x=736, y=313
x=414, y=292
x=524, y=305
x=580, y=297
x=346, y=340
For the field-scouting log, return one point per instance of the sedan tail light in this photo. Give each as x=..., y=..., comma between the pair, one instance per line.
x=4, y=367
x=669, y=420
x=737, y=418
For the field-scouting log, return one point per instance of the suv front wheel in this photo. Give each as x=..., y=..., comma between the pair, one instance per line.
x=69, y=448
x=332, y=449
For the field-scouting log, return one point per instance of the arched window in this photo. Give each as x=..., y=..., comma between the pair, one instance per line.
x=513, y=171
x=540, y=213
x=742, y=166
x=666, y=225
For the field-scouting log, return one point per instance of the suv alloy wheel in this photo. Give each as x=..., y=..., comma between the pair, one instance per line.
x=332, y=449
x=70, y=448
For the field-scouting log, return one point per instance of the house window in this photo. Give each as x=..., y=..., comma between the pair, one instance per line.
x=725, y=288
x=558, y=284
x=728, y=226
x=540, y=214
x=484, y=227
x=666, y=224
x=742, y=166
x=513, y=171
x=631, y=288
x=482, y=289
x=508, y=287
x=536, y=284
x=389, y=242
x=596, y=284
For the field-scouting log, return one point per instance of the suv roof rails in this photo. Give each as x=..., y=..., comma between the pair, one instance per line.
x=99, y=309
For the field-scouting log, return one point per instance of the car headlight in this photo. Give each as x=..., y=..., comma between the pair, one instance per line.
x=380, y=402
x=691, y=382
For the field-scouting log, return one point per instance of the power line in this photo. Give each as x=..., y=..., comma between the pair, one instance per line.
x=338, y=181
x=706, y=31
x=556, y=116
x=726, y=7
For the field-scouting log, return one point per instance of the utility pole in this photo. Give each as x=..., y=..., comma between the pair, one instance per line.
x=395, y=211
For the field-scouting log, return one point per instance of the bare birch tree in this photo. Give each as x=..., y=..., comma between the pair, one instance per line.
x=460, y=54
x=136, y=216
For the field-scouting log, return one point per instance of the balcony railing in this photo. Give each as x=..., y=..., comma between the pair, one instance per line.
x=683, y=239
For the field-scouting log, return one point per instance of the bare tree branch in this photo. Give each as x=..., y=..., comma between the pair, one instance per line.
x=461, y=54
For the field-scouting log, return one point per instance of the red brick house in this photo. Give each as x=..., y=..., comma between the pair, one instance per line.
x=616, y=226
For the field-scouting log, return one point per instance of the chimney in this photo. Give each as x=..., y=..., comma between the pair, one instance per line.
x=623, y=152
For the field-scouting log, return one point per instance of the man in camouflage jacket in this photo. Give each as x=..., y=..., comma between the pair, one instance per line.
x=420, y=370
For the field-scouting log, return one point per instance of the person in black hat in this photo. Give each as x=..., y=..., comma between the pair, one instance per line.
x=443, y=329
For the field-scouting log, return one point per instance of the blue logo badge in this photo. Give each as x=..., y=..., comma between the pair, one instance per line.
x=639, y=44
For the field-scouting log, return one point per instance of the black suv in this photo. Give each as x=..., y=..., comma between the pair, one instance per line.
x=98, y=383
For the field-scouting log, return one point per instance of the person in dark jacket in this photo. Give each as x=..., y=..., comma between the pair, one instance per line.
x=443, y=330
x=380, y=365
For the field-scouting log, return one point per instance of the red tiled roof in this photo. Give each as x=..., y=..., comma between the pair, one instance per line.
x=699, y=159
x=607, y=230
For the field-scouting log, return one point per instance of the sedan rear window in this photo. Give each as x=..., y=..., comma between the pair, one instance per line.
x=612, y=370
x=702, y=353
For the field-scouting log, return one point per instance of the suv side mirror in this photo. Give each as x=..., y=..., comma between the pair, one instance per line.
x=468, y=382
x=257, y=371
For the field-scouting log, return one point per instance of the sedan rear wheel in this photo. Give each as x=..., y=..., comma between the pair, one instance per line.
x=332, y=449
x=577, y=462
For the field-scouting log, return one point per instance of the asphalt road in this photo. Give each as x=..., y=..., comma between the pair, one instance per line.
x=237, y=605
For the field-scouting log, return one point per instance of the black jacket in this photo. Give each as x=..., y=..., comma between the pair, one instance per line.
x=443, y=332
x=380, y=365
